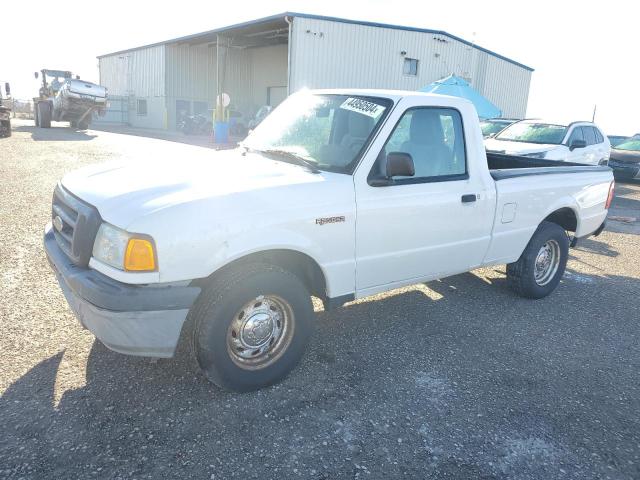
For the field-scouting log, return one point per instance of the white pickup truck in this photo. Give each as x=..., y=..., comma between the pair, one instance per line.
x=338, y=194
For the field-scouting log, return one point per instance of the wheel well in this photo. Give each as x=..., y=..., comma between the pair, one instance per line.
x=300, y=264
x=565, y=217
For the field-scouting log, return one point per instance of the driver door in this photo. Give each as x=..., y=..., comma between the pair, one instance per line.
x=433, y=224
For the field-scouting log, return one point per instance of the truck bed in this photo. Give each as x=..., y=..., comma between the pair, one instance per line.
x=502, y=166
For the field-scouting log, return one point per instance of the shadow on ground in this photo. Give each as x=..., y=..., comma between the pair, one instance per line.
x=55, y=134
x=453, y=379
x=168, y=135
x=592, y=245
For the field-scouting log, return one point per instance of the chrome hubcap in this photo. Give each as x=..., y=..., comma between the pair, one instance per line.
x=547, y=262
x=260, y=332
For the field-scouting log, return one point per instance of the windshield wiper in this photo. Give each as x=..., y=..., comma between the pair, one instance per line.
x=289, y=156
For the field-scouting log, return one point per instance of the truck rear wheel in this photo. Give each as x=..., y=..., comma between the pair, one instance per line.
x=251, y=327
x=540, y=267
x=44, y=115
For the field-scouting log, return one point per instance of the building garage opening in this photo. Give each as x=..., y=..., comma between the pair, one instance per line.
x=248, y=62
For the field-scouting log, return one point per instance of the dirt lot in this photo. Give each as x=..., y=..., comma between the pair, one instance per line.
x=458, y=378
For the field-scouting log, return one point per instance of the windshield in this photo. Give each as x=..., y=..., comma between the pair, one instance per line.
x=631, y=145
x=328, y=130
x=489, y=127
x=534, y=133
x=617, y=140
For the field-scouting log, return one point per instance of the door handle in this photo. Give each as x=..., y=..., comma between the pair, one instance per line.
x=472, y=197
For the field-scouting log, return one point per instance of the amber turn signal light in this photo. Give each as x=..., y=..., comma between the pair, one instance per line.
x=140, y=256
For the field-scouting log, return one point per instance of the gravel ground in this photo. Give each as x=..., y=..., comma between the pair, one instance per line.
x=457, y=378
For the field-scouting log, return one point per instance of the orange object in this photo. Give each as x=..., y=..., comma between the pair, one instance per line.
x=140, y=256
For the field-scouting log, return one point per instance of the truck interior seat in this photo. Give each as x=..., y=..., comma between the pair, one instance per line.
x=427, y=145
x=359, y=128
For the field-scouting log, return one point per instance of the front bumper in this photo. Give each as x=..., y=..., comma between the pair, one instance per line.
x=131, y=319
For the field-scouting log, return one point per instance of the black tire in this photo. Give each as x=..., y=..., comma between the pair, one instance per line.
x=223, y=303
x=44, y=114
x=521, y=275
x=83, y=125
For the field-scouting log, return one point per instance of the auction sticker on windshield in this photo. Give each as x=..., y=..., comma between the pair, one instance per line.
x=364, y=107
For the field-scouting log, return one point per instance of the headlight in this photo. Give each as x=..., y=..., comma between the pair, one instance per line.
x=535, y=155
x=123, y=250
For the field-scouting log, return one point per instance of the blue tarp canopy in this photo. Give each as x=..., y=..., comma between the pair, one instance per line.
x=457, y=87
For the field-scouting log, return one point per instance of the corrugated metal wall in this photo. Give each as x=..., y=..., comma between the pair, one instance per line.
x=269, y=65
x=139, y=73
x=324, y=54
x=327, y=54
x=248, y=72
x=191, y=71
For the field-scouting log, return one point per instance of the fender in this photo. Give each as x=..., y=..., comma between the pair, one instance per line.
x=339, y=275
x=566, y=201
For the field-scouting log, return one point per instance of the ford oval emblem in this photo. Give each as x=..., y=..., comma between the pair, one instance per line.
x=58, y=223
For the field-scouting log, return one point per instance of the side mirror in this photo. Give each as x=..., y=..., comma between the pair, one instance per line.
x=577, y=144
x=7, y=89
x=400, y=164
x=35, y=74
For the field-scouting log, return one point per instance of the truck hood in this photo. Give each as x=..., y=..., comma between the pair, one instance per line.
x=625, y=156
x=128, y=189
x=87, y=88
x=517, y=148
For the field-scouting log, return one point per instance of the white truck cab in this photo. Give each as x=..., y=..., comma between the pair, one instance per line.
x=338, y=194
x=578, y=142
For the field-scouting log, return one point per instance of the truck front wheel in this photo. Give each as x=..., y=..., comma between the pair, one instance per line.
x=540, y=267
x=44, y=115
x=251, y=327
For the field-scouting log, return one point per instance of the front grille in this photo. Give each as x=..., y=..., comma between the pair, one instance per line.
x=75, y=225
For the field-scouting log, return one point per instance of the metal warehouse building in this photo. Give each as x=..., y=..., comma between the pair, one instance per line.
x=261, y=61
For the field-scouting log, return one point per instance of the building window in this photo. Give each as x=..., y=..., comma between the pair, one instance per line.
x=410, y=66
x=142, y=107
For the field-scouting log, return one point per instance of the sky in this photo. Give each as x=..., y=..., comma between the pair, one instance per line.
x=584, y=53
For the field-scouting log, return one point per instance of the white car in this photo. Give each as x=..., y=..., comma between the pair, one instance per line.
x=578, y=142
x=339, y=194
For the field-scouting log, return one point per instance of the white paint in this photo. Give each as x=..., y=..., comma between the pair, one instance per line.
x=205, y=209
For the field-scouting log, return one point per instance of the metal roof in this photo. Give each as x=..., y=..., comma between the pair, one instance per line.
x=278, y=19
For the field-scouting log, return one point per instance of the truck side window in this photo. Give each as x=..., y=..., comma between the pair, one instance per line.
x=576, y=135
x=435, y=140
x=599, y=137
x=589, y=135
